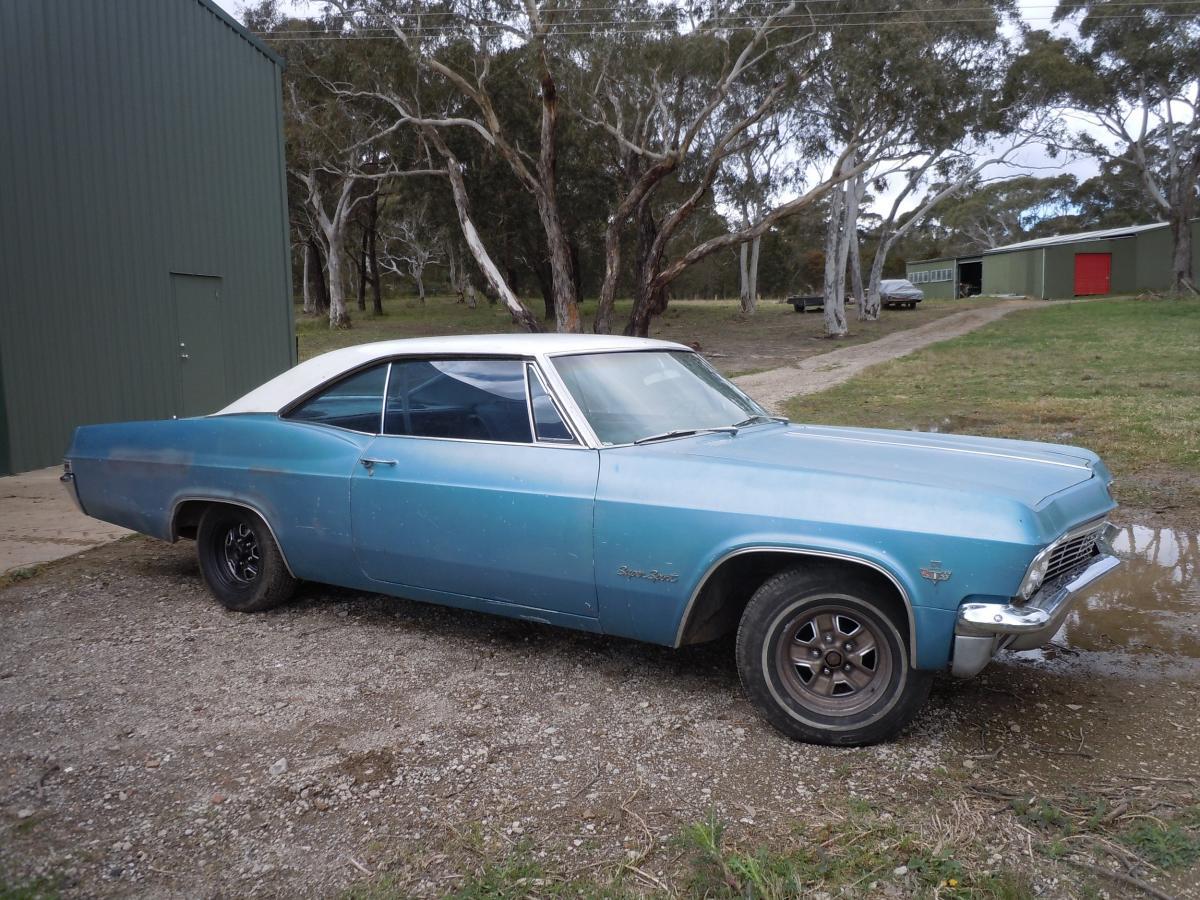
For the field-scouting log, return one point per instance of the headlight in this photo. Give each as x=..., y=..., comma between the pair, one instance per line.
x=1036, y=574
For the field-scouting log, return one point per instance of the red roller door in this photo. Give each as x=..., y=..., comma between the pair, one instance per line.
x=1093, y=272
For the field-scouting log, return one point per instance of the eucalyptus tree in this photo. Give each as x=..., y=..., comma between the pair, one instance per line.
x=1113, y=197
x=678, y=100
x=750, y=180
x=452, y=48
x=943, y=173
x=910, y=86
x=411, y=245
x=1133, y=72
x=335, y=162
x=1002, y=212
x=329, y=171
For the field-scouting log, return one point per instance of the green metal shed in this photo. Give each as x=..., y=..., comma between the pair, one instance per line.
x=1112, y=261
x=946, y=277
x=143, y=225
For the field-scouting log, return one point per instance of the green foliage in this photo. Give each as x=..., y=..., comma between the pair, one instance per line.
x=857, y=853
x=1041, y=813
x=1130, y=67
x=519, y=876
x=16, y=576
x=1167, y=845
x=1004, y=212
x=33, y=889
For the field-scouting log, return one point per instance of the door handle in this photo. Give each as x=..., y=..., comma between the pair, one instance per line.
x=370, y=464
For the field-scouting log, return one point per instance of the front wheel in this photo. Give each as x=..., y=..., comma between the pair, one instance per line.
x=822, y=656
x=240, y=561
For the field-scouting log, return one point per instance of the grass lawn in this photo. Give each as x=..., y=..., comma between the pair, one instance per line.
x=736, y=344
x=1121, y=377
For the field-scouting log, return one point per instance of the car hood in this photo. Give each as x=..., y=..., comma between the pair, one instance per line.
x=1024, y=471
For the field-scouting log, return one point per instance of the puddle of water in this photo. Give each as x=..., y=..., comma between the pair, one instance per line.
x=1149, y=607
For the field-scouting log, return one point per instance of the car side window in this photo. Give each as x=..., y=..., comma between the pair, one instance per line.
x=547, y=423
x=467, y=399
x=355, y=402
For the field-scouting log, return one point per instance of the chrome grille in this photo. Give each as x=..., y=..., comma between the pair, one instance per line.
x=1071, y=553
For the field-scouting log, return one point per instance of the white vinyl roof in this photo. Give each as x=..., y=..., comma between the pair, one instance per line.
x=1079, y=237
x=299, y=380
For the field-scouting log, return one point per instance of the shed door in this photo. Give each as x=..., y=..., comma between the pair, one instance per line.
x=1093, y=272
x=199, y=350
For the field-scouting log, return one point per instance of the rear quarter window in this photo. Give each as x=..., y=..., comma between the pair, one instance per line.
x=355, y=402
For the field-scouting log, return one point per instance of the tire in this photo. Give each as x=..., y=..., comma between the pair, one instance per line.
x=802, y=664
x=240, y=561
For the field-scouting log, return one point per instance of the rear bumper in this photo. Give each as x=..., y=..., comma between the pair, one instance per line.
x=984, y=628
x=67, y=480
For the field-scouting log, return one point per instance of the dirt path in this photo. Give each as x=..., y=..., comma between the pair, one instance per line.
x=774, y=388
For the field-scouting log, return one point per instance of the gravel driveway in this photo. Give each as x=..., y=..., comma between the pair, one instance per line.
x=158, y=745
x=775, y=387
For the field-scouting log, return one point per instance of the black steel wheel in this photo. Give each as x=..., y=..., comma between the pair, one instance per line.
x=240, y=561
x=822, y=655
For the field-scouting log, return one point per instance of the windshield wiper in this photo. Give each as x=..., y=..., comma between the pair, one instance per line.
x=754, y=420
x=687, y=432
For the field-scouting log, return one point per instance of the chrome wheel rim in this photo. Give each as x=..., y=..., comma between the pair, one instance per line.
x=242, y=559
x=833, y=659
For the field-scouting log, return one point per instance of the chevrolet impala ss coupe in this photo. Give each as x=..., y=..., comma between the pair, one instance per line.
x=622, y=486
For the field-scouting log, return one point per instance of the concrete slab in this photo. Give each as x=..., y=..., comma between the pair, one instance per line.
x=38, y=522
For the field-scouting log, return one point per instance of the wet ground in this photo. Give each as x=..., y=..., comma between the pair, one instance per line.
x=1144, y=619
x=155, y=744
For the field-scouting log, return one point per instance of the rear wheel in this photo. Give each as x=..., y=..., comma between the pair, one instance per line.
x=822, y=656
x=240, y=561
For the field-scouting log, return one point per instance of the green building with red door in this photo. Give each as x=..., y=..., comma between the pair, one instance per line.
x=1124, y=260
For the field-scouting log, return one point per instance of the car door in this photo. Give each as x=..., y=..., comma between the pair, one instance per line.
x=476, y=487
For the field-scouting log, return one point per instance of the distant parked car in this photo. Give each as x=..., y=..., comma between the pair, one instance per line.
x=900, y=292
x=622, y=486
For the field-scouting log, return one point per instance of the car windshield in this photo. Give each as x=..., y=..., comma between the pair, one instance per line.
x=631, y=396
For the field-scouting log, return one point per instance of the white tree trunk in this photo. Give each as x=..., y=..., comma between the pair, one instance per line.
x=338, y=316
x=754, y=248
x=834, y=294
x=456, y=284
x=744, y=278
x=519, y=311
x=856, y=279
x=873, y=301
x=310, y=305
x=419, y=278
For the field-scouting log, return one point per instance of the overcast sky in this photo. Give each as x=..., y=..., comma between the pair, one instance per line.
x=1034, y=160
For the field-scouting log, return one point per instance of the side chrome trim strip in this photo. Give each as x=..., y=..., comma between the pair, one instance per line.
x=258, y=512
x=910, y=446
x=843, y=557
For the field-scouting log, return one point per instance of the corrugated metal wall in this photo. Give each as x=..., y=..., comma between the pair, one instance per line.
x=1154, y=250
x=1017, y=272
x=137, y=139
x=1139, y=263
x=1060, y=266
x=933, y=290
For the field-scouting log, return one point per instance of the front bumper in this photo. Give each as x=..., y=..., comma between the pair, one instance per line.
x=984, y=628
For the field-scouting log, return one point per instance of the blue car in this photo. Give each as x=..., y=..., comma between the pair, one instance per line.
x=622, y=486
